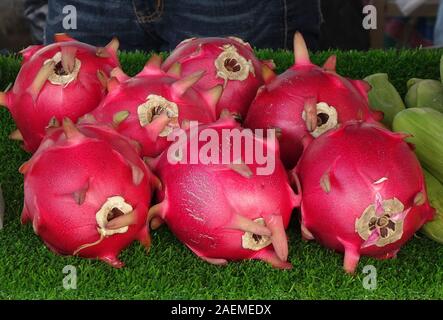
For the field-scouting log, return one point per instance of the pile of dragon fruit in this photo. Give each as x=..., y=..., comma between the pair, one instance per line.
x=101, y=174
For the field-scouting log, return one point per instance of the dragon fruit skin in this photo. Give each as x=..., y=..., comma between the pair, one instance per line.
x=213, y=208
x=229, y=62
x=135, y=105
x=74, y=182
x=297, y=101
x=40, y=95
x=351, y=178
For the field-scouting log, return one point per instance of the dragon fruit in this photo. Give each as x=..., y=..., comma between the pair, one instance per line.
x=363, y=192
x=149, y=106
x=87, y=192
x=307, y=100
x=229, y=62
x=64, y=79
x=225, y=208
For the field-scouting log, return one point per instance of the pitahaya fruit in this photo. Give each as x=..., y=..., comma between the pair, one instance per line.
x=225, y=209
x=363, y=192
x=150, y=105
x=64, y=79
x=229, y=62
x=87, y=192
x=307, y=100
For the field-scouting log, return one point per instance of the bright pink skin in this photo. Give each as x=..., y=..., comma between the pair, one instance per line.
x=69, y=179
x=201, y=53
x=355, y=161
x=33, y=108
x=280, y=104
x=205, y=206
x=126, y=94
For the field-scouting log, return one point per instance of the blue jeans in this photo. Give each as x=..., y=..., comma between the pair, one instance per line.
x=160, y=25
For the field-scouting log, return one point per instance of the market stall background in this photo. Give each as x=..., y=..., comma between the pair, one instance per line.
x=28, y=270
x=400, y=23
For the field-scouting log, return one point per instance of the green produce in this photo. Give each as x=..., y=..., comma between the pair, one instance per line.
x=434, y=229
x=384, y=97
x=426, y=127
x=441, y=68
x=424, y=94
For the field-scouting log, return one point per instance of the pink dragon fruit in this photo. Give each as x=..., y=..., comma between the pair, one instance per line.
x=363, y=192
x=64, y=79
x=149, y=106
x=87, y=192
x=307, y=100
x=229, y=62
x=225, y=210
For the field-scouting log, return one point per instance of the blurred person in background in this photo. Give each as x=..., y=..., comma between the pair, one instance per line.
x=160, y=25
x=14, y=31
x=438, y=31
x=342, y=25
x=36, y=12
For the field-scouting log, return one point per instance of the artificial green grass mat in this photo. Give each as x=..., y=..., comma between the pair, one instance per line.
x=28, y=270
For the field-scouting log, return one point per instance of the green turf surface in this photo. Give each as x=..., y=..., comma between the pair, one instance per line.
x=170, y=271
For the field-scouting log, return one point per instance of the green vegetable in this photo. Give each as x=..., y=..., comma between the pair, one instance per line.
x=426, y=127
x=424, y=94
x=384, y=97
x=441, y=68
x=434, y=229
